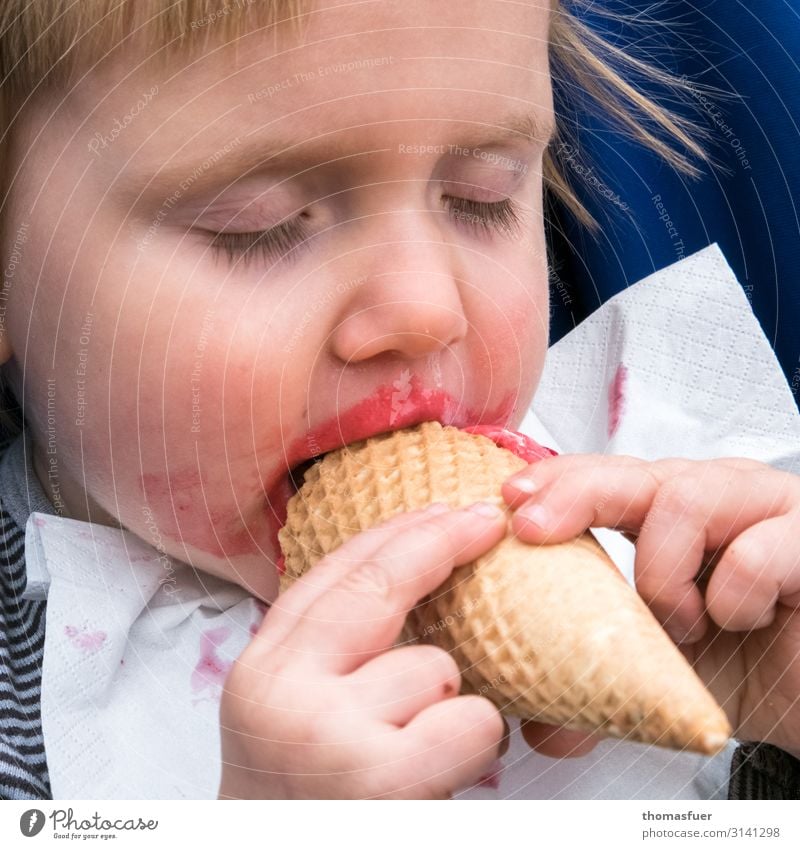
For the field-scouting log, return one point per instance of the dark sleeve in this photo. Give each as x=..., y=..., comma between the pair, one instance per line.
x=762, y=771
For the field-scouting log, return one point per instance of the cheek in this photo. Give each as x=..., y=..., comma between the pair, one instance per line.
x=511, y=330
x=191, y=432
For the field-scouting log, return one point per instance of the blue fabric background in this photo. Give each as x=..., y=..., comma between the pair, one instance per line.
x=752, y=51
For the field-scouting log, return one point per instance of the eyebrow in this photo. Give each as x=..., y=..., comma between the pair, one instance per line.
x=238, y=158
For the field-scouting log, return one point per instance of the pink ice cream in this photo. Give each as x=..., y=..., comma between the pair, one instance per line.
x=517, y=443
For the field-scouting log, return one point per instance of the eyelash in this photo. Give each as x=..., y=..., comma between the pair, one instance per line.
x=481, y=216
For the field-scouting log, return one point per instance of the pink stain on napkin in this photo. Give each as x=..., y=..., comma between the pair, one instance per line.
x=211, y=670
x=616, y=399
x=87, y=641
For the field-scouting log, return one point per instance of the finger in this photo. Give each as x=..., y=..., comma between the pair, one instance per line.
x=290, y=605
x=452, y=743
x=556, y=742
x=575, y=493
x=533, y=479
x=669, y=556
x=758, y=569
x=697, y=512
x=398, y=684
x=537, y=477
x=361, y=612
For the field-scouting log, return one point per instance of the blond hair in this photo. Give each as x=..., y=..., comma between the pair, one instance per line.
x=44, y=43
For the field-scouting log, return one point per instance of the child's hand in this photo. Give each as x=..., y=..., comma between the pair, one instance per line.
x=732, y=523
x=320, y=706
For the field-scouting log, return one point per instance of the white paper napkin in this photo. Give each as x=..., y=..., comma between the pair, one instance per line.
x=137, y=645
x=676, y=365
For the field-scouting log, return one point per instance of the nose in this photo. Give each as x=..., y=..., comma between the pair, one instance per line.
x=406, y=301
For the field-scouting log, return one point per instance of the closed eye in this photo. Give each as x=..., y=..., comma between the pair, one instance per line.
x=280, y=241
x=482, y=215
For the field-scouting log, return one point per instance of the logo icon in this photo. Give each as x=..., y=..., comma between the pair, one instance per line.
x=31, y=822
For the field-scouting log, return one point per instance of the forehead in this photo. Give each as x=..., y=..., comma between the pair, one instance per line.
x=380, y=66
x=347, y=49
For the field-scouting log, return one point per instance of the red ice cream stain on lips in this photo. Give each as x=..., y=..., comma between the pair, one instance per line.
x=401, y=403
x=616, y=399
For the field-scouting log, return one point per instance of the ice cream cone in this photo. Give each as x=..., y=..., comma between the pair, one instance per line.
x=551, y=633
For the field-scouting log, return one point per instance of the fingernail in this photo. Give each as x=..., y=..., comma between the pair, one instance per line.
x=436, y=508
x=483, y=508
x=523, y=484
x=676, y=632
x=536, y=514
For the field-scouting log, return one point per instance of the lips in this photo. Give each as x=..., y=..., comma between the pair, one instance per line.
x=399, y=404
x=517, y=443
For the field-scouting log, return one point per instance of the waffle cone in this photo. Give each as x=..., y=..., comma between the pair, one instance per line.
x=551, y=633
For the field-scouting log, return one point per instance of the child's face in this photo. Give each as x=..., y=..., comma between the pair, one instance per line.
x=189, y=375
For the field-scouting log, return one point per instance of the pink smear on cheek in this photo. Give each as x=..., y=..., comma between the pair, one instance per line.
x=616, y=399
x=181, y=513
x=211, y=670
x=87, y=641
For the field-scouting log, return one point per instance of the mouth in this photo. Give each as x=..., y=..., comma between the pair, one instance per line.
x=393, y=406
x=297, y=474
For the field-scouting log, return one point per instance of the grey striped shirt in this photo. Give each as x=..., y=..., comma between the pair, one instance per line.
x=23, y=766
